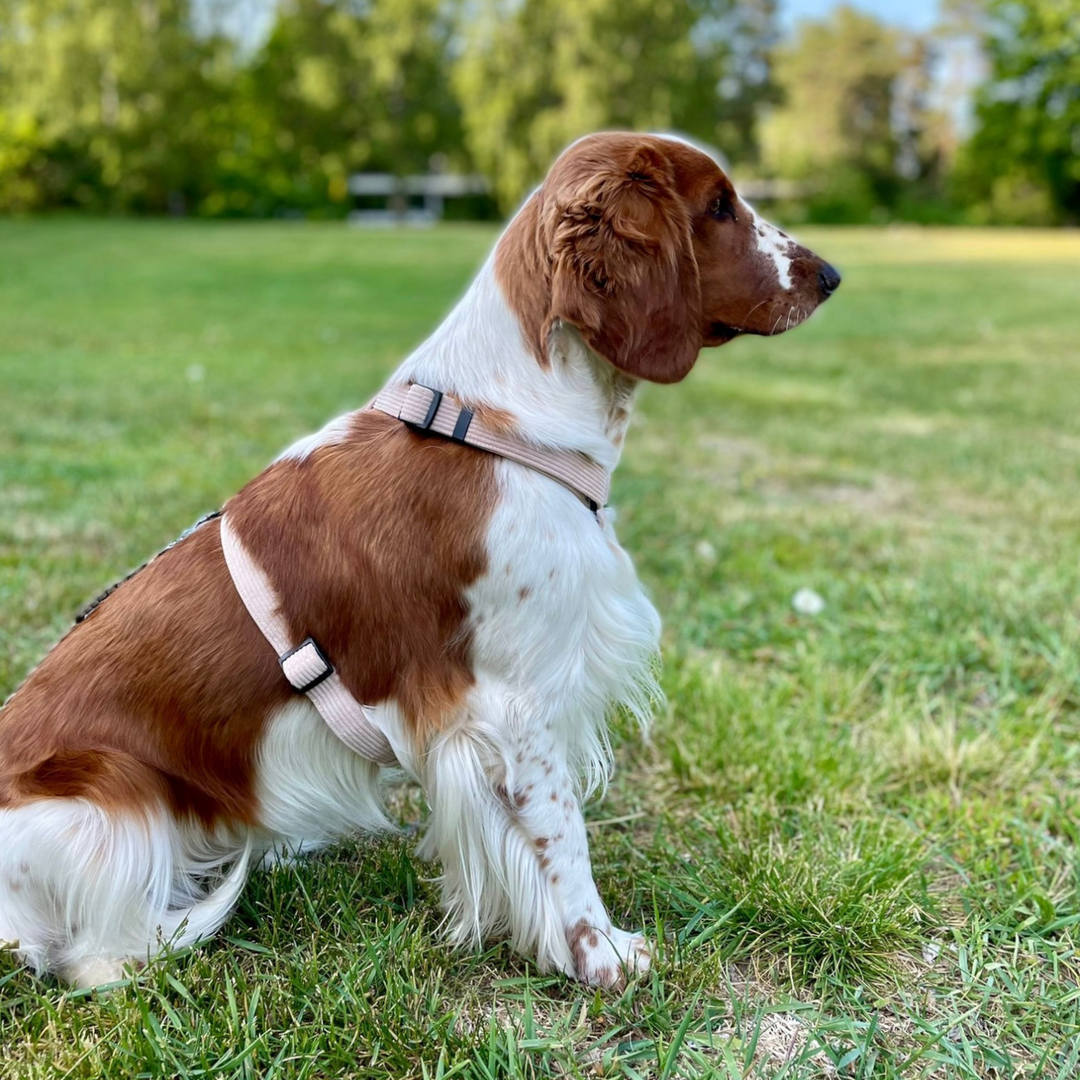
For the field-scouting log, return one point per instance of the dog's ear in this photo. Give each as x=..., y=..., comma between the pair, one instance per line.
x=623, y=269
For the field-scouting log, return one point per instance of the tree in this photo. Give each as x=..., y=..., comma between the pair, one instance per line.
x=855, y=120
x=136, y=105
x=107, y=104
x=342, y=85
x=535, y=74
x=1023, y=160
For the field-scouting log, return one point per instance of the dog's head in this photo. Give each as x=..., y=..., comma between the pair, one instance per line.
x=643, y=244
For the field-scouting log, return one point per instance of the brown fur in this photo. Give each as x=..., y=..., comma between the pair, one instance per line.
x=621, y=241
x=163, y=692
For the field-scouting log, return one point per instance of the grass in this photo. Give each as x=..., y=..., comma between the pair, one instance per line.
x=856, y=833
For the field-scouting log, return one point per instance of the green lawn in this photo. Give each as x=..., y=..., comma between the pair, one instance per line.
x=856, y=833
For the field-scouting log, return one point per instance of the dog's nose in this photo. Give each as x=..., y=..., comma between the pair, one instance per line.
x=828, y=279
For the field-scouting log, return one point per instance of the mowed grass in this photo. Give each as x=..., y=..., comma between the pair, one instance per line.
x=855, y=833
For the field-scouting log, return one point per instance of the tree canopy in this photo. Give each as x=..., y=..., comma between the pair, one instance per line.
x=1023, y=161
x=855, y=121
x=148, y=106
x=535, y=74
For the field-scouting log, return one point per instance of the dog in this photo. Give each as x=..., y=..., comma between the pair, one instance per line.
x=471, y=602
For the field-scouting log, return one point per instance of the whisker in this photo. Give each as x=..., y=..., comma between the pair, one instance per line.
x=754, y=308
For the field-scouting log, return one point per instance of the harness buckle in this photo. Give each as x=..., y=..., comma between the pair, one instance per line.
x=433, y=408
x=305, y=666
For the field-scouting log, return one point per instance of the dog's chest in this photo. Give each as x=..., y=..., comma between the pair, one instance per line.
x=560, y=609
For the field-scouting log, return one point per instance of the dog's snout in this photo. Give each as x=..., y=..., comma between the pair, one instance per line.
x=828, y=279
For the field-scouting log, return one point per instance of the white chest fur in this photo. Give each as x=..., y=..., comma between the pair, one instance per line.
x=560, y=620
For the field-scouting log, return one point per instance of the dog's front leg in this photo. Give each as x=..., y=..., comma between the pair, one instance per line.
x=544, y=804
x=507, y=825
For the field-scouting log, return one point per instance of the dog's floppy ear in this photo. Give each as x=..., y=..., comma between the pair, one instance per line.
x=623, y=269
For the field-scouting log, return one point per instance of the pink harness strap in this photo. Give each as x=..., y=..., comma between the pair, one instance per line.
x=304, y=665
x=431, y=410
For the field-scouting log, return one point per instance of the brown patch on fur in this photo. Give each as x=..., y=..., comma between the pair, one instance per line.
x=163, y=693
x=501, y=421
x=386, y=559
x=577, y=937
x=581, y=935
x=512, y=800
x=524, y=593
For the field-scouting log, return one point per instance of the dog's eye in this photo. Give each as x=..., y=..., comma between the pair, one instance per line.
x=723, y=208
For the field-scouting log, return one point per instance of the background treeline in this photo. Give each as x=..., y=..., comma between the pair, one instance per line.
x=187, y=107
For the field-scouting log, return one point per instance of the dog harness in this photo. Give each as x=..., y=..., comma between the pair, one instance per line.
x=304, y=664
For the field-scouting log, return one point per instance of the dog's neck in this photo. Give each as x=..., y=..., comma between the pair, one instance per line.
x=576, y=401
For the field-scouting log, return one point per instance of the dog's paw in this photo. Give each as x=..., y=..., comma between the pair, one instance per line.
x=607, y=957
x=95, y=971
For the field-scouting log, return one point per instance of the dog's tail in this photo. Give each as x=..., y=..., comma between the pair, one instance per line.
x=205, y=891
x=84, y=890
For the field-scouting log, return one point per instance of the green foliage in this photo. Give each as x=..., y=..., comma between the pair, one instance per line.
x=126, y=105
x=150, y=106
x=537, y=74
x=1023, y=161
x=341, y=86
x=855, y=124
x=106, y=104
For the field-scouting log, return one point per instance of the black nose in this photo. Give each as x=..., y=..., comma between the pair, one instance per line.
x=829, y=279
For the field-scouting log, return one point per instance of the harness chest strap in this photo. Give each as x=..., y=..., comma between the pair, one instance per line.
x=304, y=665
x=424, y=409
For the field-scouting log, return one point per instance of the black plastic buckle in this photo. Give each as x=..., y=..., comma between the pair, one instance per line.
x=328, y=668
x=461, y=428
x=433, y=408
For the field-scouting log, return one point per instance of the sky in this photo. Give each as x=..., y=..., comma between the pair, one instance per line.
x=249, y=20
x=911, y=14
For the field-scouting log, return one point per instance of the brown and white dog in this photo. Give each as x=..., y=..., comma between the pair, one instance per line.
x=488, y=616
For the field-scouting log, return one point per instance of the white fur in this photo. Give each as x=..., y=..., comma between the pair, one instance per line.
x=774, y=245
x=82, y=891
x=336, y=431
x=311, y=788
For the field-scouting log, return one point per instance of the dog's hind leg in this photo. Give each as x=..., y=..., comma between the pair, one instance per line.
x=312, y=789
x=84, y=891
